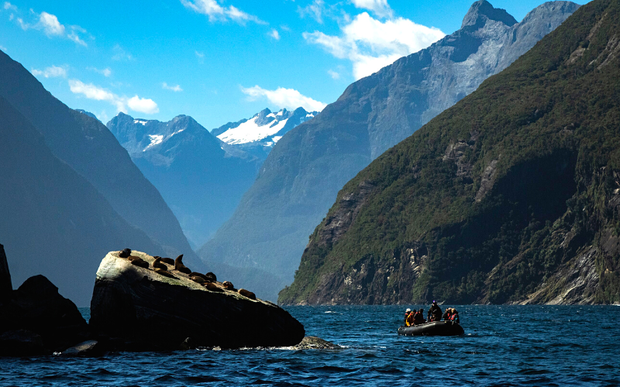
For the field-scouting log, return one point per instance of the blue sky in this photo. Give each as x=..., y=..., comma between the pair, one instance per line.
x=217, y=60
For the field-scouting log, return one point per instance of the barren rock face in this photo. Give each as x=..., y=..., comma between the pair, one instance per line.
x=154, y=311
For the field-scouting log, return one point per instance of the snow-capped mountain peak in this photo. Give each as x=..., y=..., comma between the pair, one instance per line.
x=263, y=129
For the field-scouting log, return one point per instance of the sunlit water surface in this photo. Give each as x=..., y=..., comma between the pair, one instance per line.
x=502, y=345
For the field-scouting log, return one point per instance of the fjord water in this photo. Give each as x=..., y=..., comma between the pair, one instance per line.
x=502, y=345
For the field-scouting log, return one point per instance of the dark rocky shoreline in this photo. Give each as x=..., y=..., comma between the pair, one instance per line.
x=135, y=308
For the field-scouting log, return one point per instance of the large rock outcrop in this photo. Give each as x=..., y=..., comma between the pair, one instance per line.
x=149, y=310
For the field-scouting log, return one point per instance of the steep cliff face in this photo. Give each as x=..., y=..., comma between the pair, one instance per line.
x=511, y=196
x=53, y=221
x=310, y=164
x=91, y=150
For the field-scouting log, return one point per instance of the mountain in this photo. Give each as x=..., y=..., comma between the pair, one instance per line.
x=201, y=183
x=257, y=136
x=511, y=196
x=300, y=178
x=88, y=147
x=54, y=222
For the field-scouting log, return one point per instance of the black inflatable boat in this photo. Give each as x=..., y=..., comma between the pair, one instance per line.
x=435, y=328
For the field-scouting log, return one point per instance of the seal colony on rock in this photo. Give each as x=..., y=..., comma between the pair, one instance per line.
x=160, y=266
x=194, y=313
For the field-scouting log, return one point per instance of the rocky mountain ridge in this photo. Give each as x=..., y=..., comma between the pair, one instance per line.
x=309, y=165
x=510, y=196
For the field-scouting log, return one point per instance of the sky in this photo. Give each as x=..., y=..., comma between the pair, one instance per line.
x=218, y=61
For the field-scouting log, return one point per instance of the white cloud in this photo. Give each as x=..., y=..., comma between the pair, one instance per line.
x=73, y=36
x=51, y=25
x=284, y=98
x=142, y=105
x=216, y=12
x=274, y=34
x=333, y=74
x=9, y=6
x=175, y=88
x=371, y=44
x=379, y=7
x=120, y=54
x=105, y=72
x=90, y=91
x=51, y=72
x=314, y=10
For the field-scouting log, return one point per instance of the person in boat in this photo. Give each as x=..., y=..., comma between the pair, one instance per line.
x=410, y=318
x=407, y=313
x=418, y=318
x=448, y=314
x=434, y=312
x=455, y=317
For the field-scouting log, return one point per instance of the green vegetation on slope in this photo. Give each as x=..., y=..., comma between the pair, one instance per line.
x=493, y=197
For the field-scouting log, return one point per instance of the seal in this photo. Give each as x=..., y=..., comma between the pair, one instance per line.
x=138, y=261
x=125, y=253
x=213, y=287
x=204, y=277
x=179, y=266
x=247, y=293
x=197, y=278
x=211, y=277
x=228, y=285
x=158, y=265
x=169, y=261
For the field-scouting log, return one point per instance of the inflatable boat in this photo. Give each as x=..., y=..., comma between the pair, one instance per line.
x=435, y=328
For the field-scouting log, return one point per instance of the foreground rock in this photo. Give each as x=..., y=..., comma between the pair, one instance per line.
x=313, y=342
x=36, y=320
x=137, y=308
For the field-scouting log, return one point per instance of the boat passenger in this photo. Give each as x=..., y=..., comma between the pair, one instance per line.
x=418, y=318
x=407, y=313
x=446, y=316
x=435, y=312
x=410, y=318
x=455, y=317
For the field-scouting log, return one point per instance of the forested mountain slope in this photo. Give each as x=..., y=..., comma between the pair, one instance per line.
x=512, y=195
x=305, y=170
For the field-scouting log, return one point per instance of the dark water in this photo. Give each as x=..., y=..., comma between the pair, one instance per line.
x=503, y=345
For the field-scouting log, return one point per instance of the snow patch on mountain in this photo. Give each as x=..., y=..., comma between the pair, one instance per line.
x=251, y=130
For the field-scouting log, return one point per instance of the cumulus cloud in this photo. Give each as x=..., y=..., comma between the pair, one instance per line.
x=274, y=34
x=371, y=44
x=51, y=72
x=135, y=103
x=216, y=12
x=175, y=88
x=284, y=98
x=378, y=7
x=142, y=105
x=51, y=26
